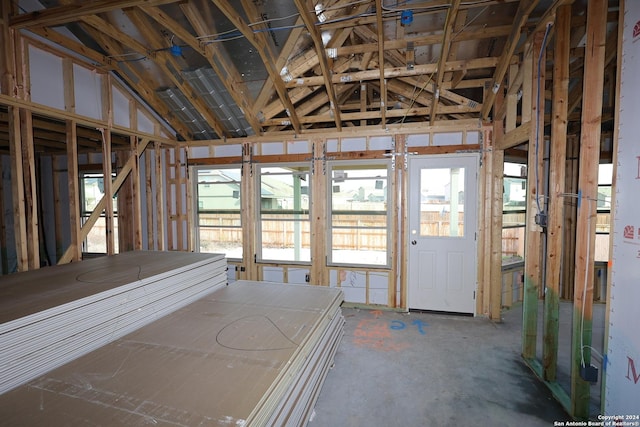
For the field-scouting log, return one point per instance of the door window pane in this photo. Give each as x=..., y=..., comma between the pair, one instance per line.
x=442, y=202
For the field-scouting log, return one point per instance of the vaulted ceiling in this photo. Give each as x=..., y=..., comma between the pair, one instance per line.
x=227, y=69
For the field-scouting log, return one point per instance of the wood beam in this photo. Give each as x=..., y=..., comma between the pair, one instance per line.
x=444, y=55
x=163, y=59
x=593, y=84
x=108, y=190
x=496, y=189
x=75, y=249
x=515, y=137
x=59, y=15
x=7, y=55
x=524, y=9
x=259, y=41
x=556, y=224
x=233, y=82
x=30, y=189
x=310, y=21
x=533, y=237
x=122, y=175
x=381, y=71
x=17, y=190
x=394, y=72
x=159, y=199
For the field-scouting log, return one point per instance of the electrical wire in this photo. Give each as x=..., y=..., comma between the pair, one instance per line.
x=537, y=143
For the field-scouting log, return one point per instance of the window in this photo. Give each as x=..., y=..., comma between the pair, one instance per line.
x=514, y=201
x=91, y=192
x=284, y=220
x=603, y=221
x=219, y=224
x=359, y=214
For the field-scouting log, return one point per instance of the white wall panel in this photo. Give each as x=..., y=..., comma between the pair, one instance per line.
x=622, y=393
x=45, y=71
x=473, y=137
x=88, y=92
x=450, y=138
x=271, y=148
x=231, y=150
x=298, y=147
x=273, y=274
x=144, y=123
x=120, y=108
x=381, y=143
x=418, y=140
x=354, y=144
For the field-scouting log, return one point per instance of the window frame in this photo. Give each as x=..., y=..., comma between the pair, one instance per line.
x=259, y=256
x=357, y=165
x=196, y=204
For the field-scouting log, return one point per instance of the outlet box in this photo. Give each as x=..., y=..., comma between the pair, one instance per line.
x=589, y=373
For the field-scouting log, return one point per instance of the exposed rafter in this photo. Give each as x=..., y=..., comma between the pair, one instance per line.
x=259, y=41
x=72, y=12
x=444, y=55
x=524, y=9
x=310, y=21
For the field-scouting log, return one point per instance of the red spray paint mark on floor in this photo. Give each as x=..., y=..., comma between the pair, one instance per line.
x=374, y=333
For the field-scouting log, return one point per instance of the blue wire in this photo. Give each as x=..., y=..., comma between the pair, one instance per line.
x=537, y=145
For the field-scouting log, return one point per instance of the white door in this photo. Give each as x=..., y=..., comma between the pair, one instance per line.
x=443, y=218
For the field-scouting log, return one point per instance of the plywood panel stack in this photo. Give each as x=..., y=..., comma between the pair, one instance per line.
x=249, y=354
x=51, y=316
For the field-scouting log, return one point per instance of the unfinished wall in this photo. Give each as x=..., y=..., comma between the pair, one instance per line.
x=622, y=392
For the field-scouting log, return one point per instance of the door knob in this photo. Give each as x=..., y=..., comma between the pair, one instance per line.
x=414, y=242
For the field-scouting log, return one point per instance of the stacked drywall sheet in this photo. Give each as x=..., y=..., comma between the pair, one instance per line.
x=249, y=354
x=51, y=316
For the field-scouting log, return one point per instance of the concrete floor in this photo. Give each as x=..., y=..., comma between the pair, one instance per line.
x=422, y=369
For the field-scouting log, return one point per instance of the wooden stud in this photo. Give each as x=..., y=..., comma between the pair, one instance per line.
x=587, y=203
x=56, y=162
x=169, y=158
x=30, y=189
x=148, y=181
x=496, y=201
x=4, y=261
x=73, y=177
x=17, y=187
x=532, y=265
x=249, y=212
x=160, y=210
x=108, y=190
x=319, y=273
x=556, y=189
x=483, y=300
x=399, y=242
x=68, y=84
x=125, y=209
